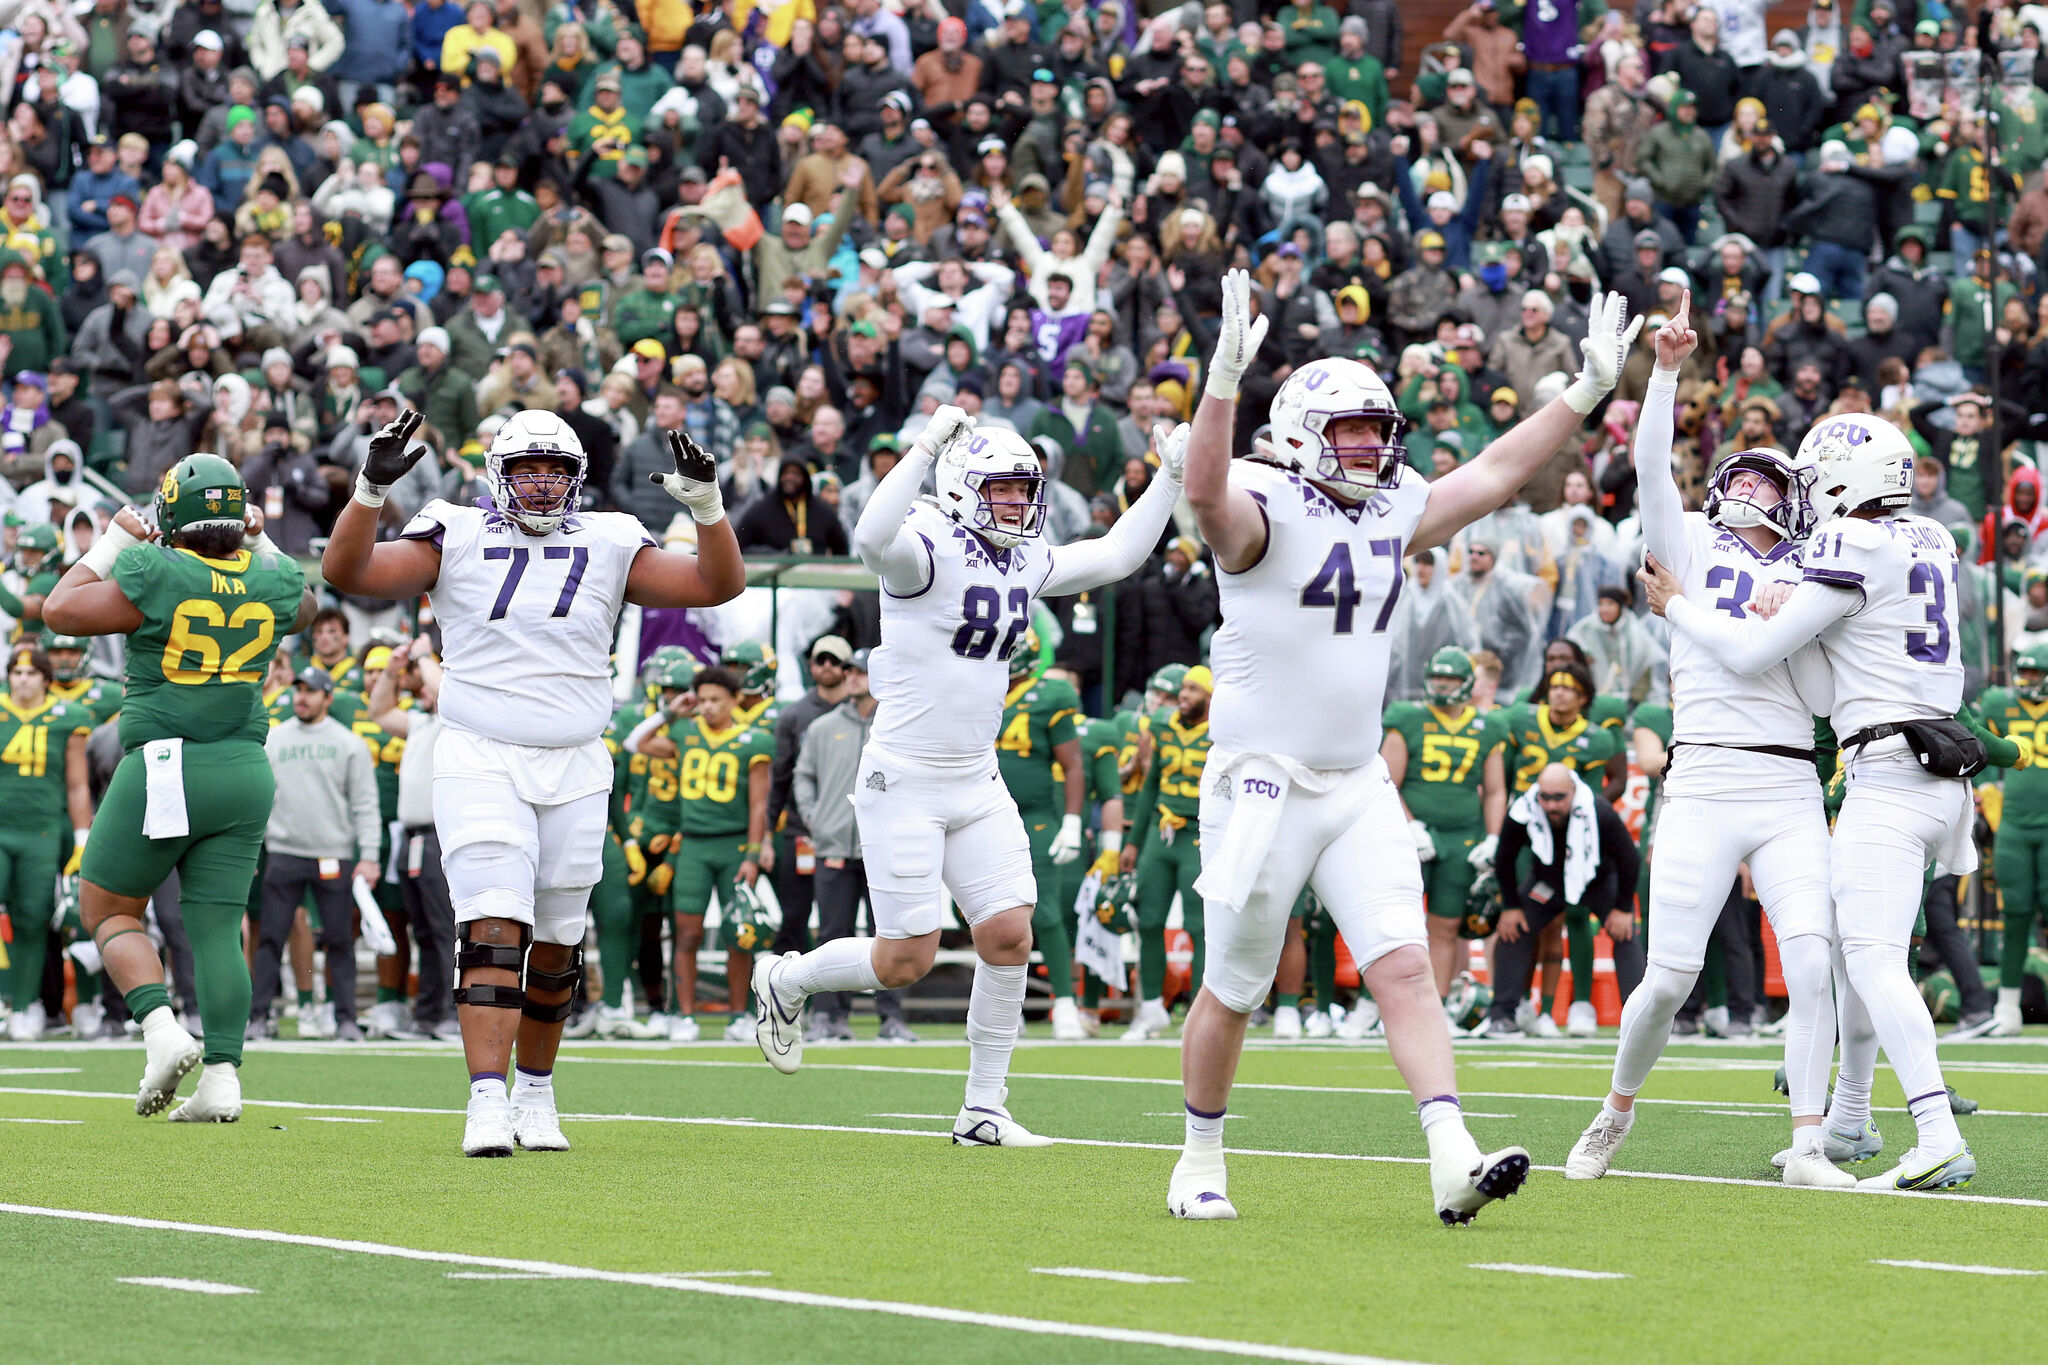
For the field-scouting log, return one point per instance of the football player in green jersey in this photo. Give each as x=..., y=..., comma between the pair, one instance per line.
x=38, y=789
x=2020, y=857
x=623, y=902
x=755, y=664
x=38, y=560
x=1561, y=730
x=713, y=827
x=204, y=609
x=1102, y=747
x=1038, y=753
x=101, y=696
x=1446, y=760
x=1165, y=819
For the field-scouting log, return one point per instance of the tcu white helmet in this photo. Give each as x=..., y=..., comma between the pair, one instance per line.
x=1315, y=397
x=1791, y=516
x=978, y=458
x=1857, y=461
x=535, y=502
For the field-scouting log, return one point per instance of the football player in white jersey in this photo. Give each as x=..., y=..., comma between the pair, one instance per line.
x=1309, y=535
x=527, y=591
x=959, y=574
x=1740, y=785
x=1879, y=593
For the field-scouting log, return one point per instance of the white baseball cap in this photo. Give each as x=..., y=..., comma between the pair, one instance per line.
x=1515, y=202
x=1803, y=283
x=1443, y=199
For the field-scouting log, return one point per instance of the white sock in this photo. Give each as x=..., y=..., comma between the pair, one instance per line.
x=1936, y=1121
x=844, y=964
x=1808, y=1138
x=1646, y=1024
x=537, y=1085
x=1443, y=1125
x=1204, y=1130
x=1904, y=1029
x=2009, y=999
x=1625, y=1117
x=1809, y=1021
x=159, y=1021
x=995, y=1014
x=490, y=1085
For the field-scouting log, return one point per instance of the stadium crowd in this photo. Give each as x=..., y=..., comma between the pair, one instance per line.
x=795, y=230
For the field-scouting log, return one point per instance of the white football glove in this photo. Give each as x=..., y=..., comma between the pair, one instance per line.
x=1066, y=845
x=1605, y=349
x=946, y=426
x=1238, y=338
x=1481, y=856
x=1425, y=843
x=1171, y=444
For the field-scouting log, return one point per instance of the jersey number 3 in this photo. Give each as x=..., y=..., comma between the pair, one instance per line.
x=1336, y=585
x=1929, y=647
x=983, y=611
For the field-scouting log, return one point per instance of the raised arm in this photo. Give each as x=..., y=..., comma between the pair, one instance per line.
x=1663, y=512
x=1750, y=646
x=900, y=559
x=716, y=573
x=354, y=562
x=1231, y=521
x=1123, y=551
x=1468, y=493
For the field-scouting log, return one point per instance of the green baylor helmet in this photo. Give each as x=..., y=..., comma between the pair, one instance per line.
x=2031, y=660
x=754, y=662
x=55, y=644
x=38, y=538
x=1024, y=658
x=200, y=490
x=1453, y=666
x=676, y=675
x=1167, y=680
x=745, y=924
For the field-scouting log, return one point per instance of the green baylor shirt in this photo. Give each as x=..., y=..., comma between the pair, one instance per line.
x=210, y=627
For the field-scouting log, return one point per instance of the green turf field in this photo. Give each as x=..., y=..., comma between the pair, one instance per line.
x=714, y=1209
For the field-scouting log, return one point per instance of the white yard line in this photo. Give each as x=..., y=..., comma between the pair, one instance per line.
x=337, y=1118
x=1559, y=1272
x=50, y=1121
x=758, y=1293
x=188, y=1286
x=710, y=1122
x=1075, y=1272
x=1960, y=1269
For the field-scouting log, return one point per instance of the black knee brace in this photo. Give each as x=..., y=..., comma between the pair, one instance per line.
x=471, y=953
x=565, y=980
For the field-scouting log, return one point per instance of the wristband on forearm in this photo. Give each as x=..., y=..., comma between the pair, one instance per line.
x=369, y=494
x=100, y=558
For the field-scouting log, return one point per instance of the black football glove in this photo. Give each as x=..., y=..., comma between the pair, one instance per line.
x=694, y=483
x=392, y=452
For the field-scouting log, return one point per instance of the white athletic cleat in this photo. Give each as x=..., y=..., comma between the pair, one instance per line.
x=1594, y=1152
x=388, y=1019
x=487, y=1131
x=741, y=1029
x=1714, y=1021
x=1843, y=1148
x=1582, y=1021
x=779, y=1014
x=1199, y=1189
x=1812, y=1169
x=1543, y=1026
x=88, y=1019
x=216, y=1099
x=1462, y=1190
x=26, y=1024
x=1318, y=1025
x=981, y=1126
x=535, y=1124
x=617, y=1021
x=1287, y=1024
x=1151, y=1021
x=2005, y=1021
x=309, y=1022
x=683, y=1029
x=169, y=1055
x=1361, y=1021
x=1525, y=1015
x=1918, y=1170
x=1066, y=1022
